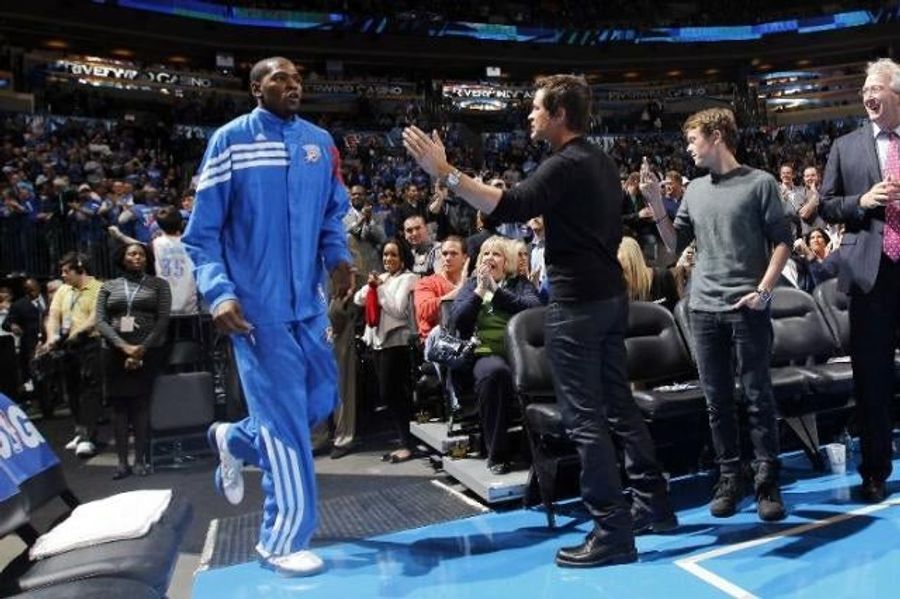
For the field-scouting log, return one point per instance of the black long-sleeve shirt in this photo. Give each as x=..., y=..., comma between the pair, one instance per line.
x=577, y=189
x=150, y=309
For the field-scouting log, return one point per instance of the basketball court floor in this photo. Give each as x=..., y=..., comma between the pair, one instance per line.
x=831, y=545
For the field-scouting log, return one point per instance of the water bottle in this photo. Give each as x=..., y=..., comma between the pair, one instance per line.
x=847, y=442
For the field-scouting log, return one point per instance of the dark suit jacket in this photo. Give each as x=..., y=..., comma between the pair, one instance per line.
x=851, y=171
x=24, y=314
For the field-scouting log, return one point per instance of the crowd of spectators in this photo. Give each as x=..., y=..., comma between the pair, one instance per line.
x=66, y=181
x=92, y=185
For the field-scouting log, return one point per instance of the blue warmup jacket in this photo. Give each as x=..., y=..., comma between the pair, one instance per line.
x=267, y=217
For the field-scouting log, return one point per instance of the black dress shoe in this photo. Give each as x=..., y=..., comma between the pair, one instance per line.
x=872, y=491
x=596, y=551
x=646, y=522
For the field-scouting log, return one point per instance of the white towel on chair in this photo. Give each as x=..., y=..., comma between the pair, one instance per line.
x=124, y=516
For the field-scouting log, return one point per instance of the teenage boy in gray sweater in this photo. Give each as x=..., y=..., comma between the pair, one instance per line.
x=735, y=214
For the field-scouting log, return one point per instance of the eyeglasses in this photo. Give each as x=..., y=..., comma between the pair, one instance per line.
x=872, y=89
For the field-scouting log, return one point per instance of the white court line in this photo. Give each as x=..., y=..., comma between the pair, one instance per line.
x=461, y=496
x=691, y=564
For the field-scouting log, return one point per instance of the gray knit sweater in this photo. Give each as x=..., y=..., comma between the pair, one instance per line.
x=150, y=309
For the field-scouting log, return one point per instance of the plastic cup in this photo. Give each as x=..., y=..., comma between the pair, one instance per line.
x=837, y=457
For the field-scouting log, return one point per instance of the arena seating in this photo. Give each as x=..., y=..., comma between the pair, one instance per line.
x=807, y=332
x=133, y=568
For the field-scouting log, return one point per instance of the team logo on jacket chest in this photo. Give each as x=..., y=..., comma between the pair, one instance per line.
x=313, y=153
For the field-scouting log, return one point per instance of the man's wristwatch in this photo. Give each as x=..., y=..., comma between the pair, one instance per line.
x=764, y=294
x=453, y=178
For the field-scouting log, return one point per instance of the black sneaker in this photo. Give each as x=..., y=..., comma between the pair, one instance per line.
x=729, y=492
x=769, y=505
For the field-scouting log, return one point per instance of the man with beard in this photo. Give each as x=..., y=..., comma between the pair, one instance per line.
x=265, y=228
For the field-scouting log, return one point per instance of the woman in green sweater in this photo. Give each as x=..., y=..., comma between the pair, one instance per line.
x=483, y=307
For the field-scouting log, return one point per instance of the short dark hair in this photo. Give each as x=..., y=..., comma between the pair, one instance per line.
x=119, y=257
x=459, y=240
x=264, y=67
x=572, y=94
x=411, y=217
x=169, y=220
x=77, y=261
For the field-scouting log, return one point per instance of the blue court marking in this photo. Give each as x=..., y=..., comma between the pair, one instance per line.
x=511, y=553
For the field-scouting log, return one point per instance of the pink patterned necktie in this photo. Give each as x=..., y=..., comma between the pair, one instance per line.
x=892, y=210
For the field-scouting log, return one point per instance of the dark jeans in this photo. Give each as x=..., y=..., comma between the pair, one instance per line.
x=874, y=324
x=393, y=367
x=586, y=347
x=719, y=338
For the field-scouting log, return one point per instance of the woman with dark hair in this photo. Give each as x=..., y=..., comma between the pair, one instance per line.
x=385, y=298
x=813, y=260
x=133, y=317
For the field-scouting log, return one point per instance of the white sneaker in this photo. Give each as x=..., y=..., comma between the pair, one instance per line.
x=300, y=563
x=228, y=477
x=71, y=445
x=85, y=449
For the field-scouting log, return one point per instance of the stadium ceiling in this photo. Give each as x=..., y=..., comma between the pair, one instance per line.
x=90, y=28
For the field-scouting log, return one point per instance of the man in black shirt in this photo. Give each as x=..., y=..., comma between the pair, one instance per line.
x=577, y=191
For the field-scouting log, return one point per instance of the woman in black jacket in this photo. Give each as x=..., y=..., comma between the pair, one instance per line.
x=483, y=307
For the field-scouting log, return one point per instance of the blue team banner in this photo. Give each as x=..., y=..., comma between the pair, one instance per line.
x=24, y=452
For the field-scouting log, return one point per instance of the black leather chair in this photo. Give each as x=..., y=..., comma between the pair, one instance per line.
x=666, y=387
x=835, y=306
x=555, y=463
x=802, y=382
x=148, y=560
x=107, y=588
x=182, y=408
x=683, y=320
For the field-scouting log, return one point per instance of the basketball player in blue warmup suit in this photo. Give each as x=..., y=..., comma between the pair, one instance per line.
x=265, y=229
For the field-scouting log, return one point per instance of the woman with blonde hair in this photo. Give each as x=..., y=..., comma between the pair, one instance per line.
x=642, y=282
x=522, y=262
x=483, y=307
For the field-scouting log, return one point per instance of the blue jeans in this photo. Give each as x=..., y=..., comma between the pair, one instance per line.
x=586, y=348
x=719, y=339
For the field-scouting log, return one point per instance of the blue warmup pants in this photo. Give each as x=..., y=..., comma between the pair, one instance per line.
x=290, y=381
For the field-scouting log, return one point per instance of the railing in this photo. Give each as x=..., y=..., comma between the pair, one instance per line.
x=34, y=249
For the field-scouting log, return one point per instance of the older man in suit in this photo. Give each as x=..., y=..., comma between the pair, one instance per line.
x=862, y=190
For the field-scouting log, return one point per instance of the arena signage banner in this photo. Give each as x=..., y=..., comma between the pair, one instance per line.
x=128, y=72
x=24, y=452
x=484, y=97
x=351, y=88
x=662, y=92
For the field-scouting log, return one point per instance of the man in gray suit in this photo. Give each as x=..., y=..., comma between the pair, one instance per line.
x=862, y=190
